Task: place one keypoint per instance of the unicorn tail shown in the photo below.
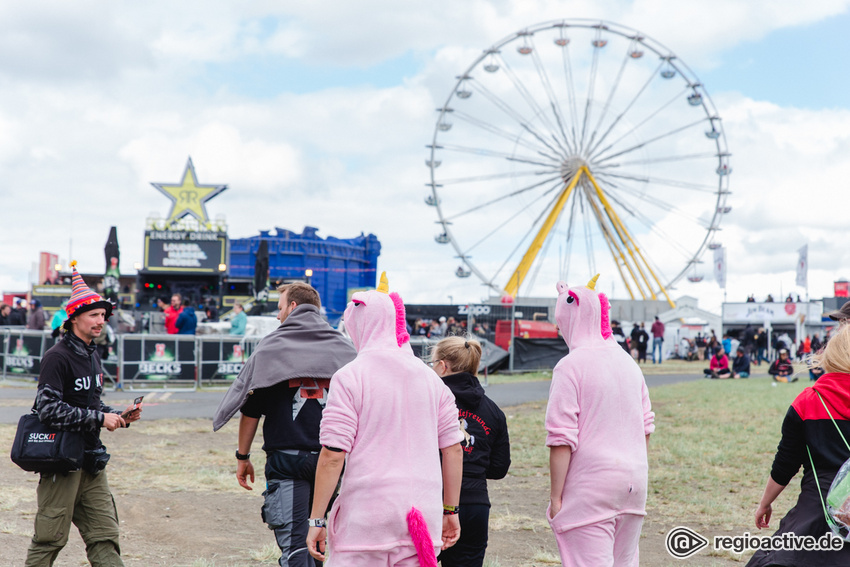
(421, 538)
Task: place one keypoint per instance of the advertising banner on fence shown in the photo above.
(148, 357)
(23, 355)
(222, 358)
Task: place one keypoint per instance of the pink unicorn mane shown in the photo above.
(606, 319)
(401, 334)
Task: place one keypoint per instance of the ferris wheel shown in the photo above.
(574, 147)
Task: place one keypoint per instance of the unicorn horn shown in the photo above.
(384, 285)
(592, 283)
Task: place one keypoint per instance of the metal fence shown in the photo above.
(138, 361)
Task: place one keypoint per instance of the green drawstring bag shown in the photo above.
(838, 501)
(836, 508)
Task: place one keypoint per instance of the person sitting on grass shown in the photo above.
(781, 369)
(718, 366)
(741, 365)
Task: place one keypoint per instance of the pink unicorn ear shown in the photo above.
(562, 287)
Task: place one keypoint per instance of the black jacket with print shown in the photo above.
(65, 399)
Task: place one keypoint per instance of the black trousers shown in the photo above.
(470, 548)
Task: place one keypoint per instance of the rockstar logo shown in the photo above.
(190, 197)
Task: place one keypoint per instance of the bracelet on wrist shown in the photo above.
(241, 457)
(450, 510)
(317, 523)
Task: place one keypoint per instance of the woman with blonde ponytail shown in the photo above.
(486, 446)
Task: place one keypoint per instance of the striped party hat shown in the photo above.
(83, 298)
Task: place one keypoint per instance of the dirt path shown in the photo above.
(179, 505)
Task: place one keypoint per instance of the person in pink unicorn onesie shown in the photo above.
(598, 422)
(388, 419)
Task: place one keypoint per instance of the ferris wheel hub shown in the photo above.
(571, 166)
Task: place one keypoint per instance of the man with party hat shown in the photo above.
(598, 422)
(70, 385)
(389, 418)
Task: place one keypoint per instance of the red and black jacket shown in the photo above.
(807, 423)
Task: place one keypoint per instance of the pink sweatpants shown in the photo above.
(603, 544)
(399, 557)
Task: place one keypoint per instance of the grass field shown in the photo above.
(709, 457)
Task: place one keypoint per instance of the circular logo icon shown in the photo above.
(683, 542)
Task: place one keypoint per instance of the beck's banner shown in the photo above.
(158, 357)
(185, 251)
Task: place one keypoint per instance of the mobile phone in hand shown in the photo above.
(136, 403)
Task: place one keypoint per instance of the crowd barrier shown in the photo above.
(138, 361)
(187, 362)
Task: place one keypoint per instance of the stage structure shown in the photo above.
(336, 267)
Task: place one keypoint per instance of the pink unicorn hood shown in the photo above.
(582, 315)
(375, 319)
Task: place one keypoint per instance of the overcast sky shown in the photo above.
(318, 113)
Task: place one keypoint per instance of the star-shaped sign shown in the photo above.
(190, 197)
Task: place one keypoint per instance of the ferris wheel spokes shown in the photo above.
(478, 208)
(620, 116)
(599, 158)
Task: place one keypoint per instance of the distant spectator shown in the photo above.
(640, 338)
(435, 332)
(453, 328)
(727, 344)
(718, 366)
(5, 311)
(684, 348)
(781, 369)
(187, 321)
(619, 335)
(816, 344)
(733, 346)
(815, 372)
(751, 299)
(172, 312)
(444, 326)
(58, 319)
(769, 299)
(420, 328)
(18, 316)
(35, 321)
(761, 346)
(700, 343)
(741, 364)
(657, 331)
(239, 321)
(211, 312)
(789, 299)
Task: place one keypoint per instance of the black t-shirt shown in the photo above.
(291, 420)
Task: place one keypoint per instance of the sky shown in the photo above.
(319, 114)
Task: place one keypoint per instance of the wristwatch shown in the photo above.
(242, 457)
(317, 523)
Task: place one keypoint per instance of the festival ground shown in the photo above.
(179, 504)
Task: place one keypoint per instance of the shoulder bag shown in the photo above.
(44, 449)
